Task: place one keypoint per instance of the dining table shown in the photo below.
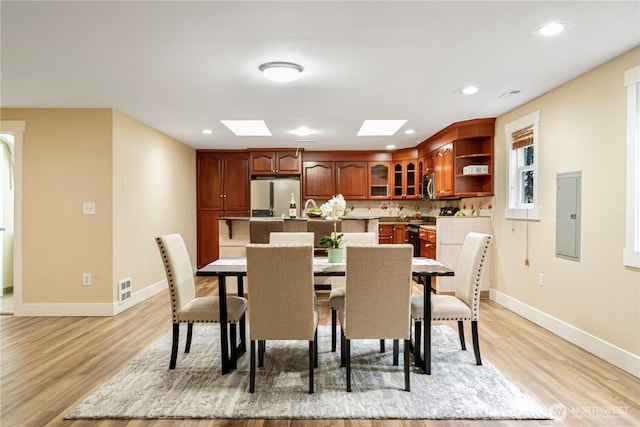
(423, 269)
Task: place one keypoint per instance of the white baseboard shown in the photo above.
(615, 355)
(90, 309)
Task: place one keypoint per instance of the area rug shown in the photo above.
(456, 389)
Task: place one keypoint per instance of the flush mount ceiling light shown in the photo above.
(380, 127)
(207, 131)
(409, 131)
(467, 90)
(281, 72)
(390, 147)
(550, 29)
(247, 127)
(303, 131)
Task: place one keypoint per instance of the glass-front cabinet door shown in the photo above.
(379, 180)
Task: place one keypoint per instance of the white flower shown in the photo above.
(334, 208)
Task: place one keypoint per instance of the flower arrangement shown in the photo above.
(334, 208)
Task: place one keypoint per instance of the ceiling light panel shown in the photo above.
(247, 127)
(380, 127)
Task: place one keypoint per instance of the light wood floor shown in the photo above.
(51, 364)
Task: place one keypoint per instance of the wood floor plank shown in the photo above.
(48, 365)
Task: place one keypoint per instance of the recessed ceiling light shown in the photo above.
(247, 127)
(550, 29)
(390, 147)
(409, 131)
(281, 72)
(469, 90)
(207, 131)
(303, 131)
(380, 127)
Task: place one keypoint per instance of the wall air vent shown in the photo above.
(124, 289)
(509, 93)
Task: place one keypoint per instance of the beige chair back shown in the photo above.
(353, 239)
(179, 271)
(302, 237)
(378, 294)
(469, 270)
(281, 303)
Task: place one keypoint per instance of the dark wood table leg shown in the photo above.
(224, 339)
(426, 325)
(243, 321)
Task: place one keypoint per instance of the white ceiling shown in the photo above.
(181, 66)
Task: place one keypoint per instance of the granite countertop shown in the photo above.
(304, 218)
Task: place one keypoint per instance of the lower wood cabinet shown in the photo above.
(392, 234)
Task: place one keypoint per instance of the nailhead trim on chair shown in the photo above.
(174, 309)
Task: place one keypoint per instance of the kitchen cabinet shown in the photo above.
(392, 234)
(222, 190)
(351, 180)
(453, 149)
(318, 180)
(406, 180)
(428, 239)
(443, 168)
(379, 180)
(275, 163)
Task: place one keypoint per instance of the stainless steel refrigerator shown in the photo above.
(271, 196)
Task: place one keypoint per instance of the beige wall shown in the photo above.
(582, 128)
(154, 193)
(76, 155)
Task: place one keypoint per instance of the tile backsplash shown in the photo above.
(483, 206)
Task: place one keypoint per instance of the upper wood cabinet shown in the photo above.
(318, 180)
(406, 180)
(351, 180)
(379, 179)
(443, 168)
(462, 144)
(275, 163)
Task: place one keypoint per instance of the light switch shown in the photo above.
(88, 208)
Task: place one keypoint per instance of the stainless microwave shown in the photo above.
(429, 186)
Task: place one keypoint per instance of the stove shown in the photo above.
(448, 211)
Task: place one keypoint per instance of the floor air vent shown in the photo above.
(124, 289)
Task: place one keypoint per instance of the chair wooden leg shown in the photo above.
(418, 337)
(347, 344)
(334, 323)
(476, 343)
(187, 346)
(311, 364)
(381, 346)
(243, 333)
(343, 356)
(396, 352)
(234, 345)
(252, 367)
(261, 348)
(174, 346)
(461, 333)
(407, 381)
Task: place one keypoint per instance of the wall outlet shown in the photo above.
(540, 279)
(86, 279)
(88, 208)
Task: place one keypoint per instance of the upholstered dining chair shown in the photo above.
(286, 237)
(465, 304)
(282, 300)
(378, 299)
(260, 229)
(336, 296)
(185, 306)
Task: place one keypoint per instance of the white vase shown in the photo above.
(336, 255)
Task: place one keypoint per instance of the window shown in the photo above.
(631, 253)
(522, 179)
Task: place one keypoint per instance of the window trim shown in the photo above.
(631, 252)
(514, 210)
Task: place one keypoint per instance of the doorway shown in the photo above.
(11, 143)
(6, 222)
